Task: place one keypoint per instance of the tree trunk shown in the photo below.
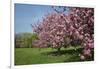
(58, 50)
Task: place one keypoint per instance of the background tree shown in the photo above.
(24, 40)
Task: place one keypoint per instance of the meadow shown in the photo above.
(26, 56)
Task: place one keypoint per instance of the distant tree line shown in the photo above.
(24, 40)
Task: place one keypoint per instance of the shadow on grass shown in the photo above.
(71, 55)
(63, 52)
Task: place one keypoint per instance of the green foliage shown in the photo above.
(25, 40)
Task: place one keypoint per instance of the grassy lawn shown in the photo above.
(27, 56)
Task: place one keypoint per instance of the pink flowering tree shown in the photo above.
(60, 29)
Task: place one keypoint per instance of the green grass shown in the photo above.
(25, 56)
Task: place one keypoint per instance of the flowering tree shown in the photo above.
(60, 29)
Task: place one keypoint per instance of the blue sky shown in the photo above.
(26, 14)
